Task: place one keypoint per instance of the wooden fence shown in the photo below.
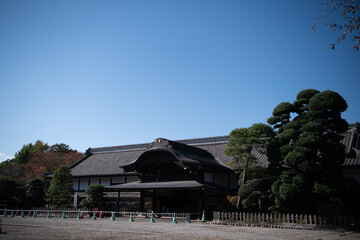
(306, 221)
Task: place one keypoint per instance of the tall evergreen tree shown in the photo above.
(60, 191)
(307, 153)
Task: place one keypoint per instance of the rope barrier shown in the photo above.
(80, 214)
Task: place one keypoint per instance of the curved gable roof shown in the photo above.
(185, 155)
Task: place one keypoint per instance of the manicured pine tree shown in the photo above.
(95, 197)
(307, 153)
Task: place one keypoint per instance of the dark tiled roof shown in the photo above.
(352, 162)
(106, 160)
(351, 141)
(104, 163)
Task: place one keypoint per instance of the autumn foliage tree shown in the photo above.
(42, 162)
(33, 160)
(28, 150)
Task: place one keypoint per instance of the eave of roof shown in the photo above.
(138, 186)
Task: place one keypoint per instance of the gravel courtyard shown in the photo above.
(57, 228)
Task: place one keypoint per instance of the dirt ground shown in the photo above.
(70, 228)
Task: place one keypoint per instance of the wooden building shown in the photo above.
(166, 175)
(163, 175)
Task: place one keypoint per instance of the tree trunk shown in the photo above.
(242, 182)
(259, 204)
(244, 174)
(238, 202)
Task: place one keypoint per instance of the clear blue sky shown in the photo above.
(103, 73)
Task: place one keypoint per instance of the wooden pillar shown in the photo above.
(203, 199)
(142, 206)
(153, 207)
(118, 200)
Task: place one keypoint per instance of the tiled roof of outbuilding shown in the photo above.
(351, 141)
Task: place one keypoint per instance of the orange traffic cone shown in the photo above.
(17, 212)
(0, 227)
(29, 214)
(101, 216)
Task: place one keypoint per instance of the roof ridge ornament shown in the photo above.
(160, 142)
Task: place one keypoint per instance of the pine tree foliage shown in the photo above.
(60, 191)
(35, 193)
(95, 197)
(255, 192)
(307, 154)
(241, 144)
